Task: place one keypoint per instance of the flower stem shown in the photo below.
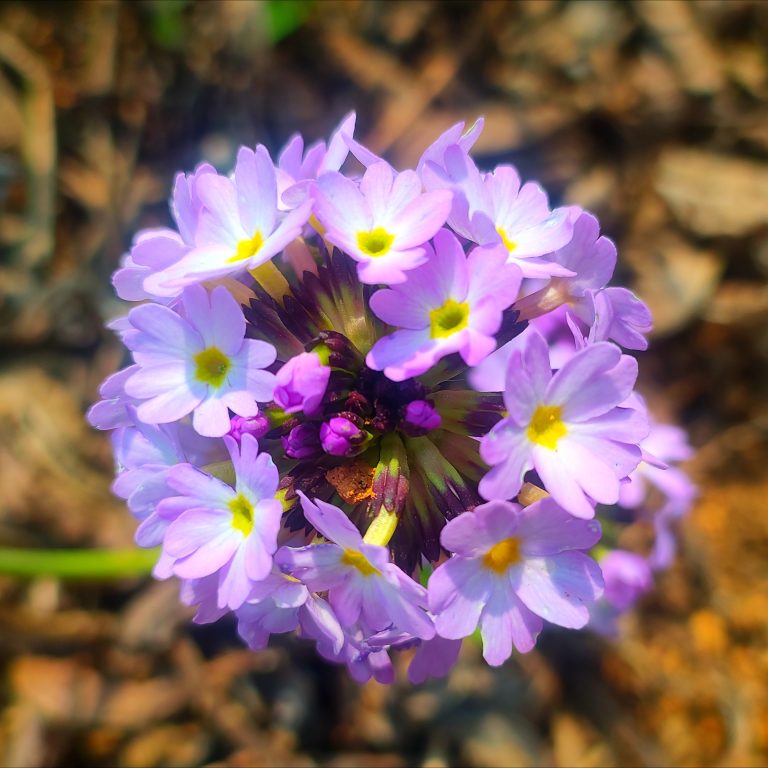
(78, 564)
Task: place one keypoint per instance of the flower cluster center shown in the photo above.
(242, 514)
(547, 427)
(502, 555)
(376, 242)
(211, 366)
(451, 318)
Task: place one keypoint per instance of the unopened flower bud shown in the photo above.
(303, 442)
(301, 384)
(258, 426)
(342, 437)
(419, 418)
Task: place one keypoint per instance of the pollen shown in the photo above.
(448, 319)
(375, 243)
(353, 481)
(212, 366)
(359, 561)
(503, 555)
(547, 427)
(247, 248)
(242, 514)
(510, 245)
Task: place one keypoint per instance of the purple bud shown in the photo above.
(302, 442)
(258, 426)
(301, 384)
(341, 437)
(419, 418)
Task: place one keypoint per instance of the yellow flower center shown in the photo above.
(357, 560)
(448, 319)
(247, 248)
(212, 366)
(376, 242)
(242, 514)
(510, 245)
(503, 555)
(547, 426)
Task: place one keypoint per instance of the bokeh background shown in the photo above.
(652, 114)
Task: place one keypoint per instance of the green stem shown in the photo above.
(80, 564)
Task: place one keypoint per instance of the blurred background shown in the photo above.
(651, 114)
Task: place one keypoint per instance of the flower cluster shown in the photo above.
(380, 408)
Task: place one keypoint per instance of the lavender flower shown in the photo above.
(278, 604)
(512, 568)
(493, 209)
(383, 224)
(239, 226)
(215, 528)
(568, 426)
(452, 304)
(199, 364)
(361, 582)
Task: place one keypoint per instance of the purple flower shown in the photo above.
(627, 578)
(112, 411)
(384, 223)
(435, 152)
(215, 528)
(385, 296)
(295, 168)
(300, 384)
(493, 209)
(279, 603)
(568, 426)
(200, 363)
(154, 250)
(513, 567)
(239, 225)
(341, 437)
(433, 658)
(144, 454)
(591, 259)
(362, 584)
(665, 443)
(621, 317)
(454, 303)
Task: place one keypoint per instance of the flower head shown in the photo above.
(331, 374)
